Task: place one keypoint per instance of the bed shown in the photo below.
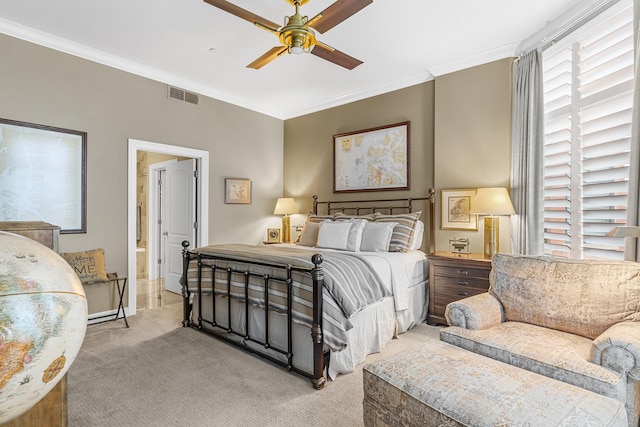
(355, 279)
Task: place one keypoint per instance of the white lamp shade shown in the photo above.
(285, 206)
(492, 201)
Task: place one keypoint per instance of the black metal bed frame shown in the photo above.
(284, 276)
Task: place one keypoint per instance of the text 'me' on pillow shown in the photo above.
(88, 265)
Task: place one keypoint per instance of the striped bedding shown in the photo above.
(350, 284)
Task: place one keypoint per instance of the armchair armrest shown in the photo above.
(618, 349)
(477, 312)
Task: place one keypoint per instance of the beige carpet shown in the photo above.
(157, 373)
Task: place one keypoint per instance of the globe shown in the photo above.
(43, 320)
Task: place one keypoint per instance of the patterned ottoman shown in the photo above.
(442, 385)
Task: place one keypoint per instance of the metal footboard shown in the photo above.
(283, 275)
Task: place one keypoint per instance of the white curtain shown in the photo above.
(632, 246)
(527, 155)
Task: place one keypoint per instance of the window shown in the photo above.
(588, 95)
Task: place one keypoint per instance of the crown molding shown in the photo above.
(29, 34)
(359, 95)
(505, 51)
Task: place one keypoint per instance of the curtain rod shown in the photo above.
(570, 25)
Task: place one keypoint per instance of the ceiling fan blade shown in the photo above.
(272, 54)
(330, 54)
(336, 13)
(241, 13)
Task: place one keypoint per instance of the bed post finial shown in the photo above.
(315, 204)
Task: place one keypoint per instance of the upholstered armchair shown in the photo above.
(571, 320)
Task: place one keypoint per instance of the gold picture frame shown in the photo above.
(273, 235)
(455, 210)
(376, 159)
(237, 191)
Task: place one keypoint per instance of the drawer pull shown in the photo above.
(463, 293)
(463, 272)
(463, 283)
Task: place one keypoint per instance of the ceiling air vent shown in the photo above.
(183, 95)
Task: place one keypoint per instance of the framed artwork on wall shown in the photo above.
(237, 191)
(455, 210)
(373, 159)
(43, 175)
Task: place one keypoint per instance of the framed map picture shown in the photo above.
(456, 210)
(372, 159)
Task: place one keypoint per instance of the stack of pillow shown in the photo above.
(366, 233)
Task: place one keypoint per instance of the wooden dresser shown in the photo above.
(453, 277)
(51, 411)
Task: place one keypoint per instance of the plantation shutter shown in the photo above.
(588, 84)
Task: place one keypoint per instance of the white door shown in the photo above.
(180, 220)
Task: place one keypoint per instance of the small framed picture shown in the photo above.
(237, 190)
(456, 210)
(273, 235)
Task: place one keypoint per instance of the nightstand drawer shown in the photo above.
(456, 292)
(463, 282)
(459, 271)
(452, 278)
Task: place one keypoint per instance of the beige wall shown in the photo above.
(460, 138)
(43, 86)
(308, 144)
(473, 139)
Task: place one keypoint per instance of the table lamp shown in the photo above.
(492, 202)
(285, 207)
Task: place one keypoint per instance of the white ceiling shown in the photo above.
(195, 46)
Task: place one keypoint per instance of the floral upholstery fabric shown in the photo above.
(575, 321)
(576, 296)
(442, 385)
(486, 312)
(552, 353)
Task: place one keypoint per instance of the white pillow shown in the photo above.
(309, 235)
(333, 235)
(376, 236)
(354, 240)
(418, 235)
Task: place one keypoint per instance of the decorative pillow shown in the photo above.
(342, 216)
(318, 218)
(354, 240)
(418, 235)
(334, 235)
(309, 235)
(403, 232)
(376, 236)
(88, 265)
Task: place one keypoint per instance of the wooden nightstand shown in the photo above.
(453, 277)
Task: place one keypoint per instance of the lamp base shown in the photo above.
(286, 229)
(491, 236)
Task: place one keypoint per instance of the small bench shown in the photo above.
(440, 384)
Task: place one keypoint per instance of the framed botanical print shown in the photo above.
(237, 191)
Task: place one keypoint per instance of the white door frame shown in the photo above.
(202, 158)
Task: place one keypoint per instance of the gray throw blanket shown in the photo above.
(350, 284)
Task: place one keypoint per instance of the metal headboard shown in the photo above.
(385, 206)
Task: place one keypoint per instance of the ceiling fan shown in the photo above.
(298, 35)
